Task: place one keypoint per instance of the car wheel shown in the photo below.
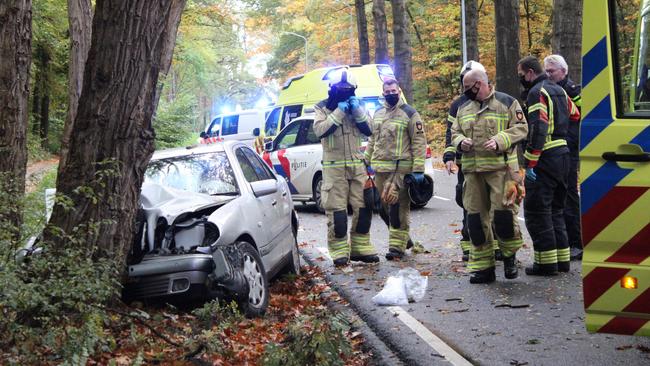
(414, 206)
(258, 284)
(316, 189)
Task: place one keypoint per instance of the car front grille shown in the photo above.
(147, 288)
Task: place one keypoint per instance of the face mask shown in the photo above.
(338, 95)
(525, 83)
(470, 93)
(391, 99)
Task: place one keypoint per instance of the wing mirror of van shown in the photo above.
(256, 131)
(203, 135)
(268, 146)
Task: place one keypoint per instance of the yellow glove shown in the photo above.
(390, 194)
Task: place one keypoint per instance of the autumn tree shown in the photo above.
(362, 31)
(567, 34)
(507, 45)
(15, 61)
(471, 29)
(381, 32)
(113, 139)
(402, 45)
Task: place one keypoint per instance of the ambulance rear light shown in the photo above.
(629, 282)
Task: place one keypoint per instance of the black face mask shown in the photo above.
(525, 83)
(391, 99)
(337, 95)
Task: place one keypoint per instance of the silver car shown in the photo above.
(214, 221)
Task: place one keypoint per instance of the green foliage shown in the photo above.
(174, 122)
(311, 339)
(35, 151)
(217, 313)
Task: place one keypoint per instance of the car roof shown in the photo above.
(195, 149)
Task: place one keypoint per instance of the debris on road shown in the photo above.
(404, 287)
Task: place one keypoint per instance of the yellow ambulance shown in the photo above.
(300, 93)
(615, 166)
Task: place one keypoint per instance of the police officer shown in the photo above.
(397, 147)
(452, 157)
(340, 122)
(557, 70)
(486, 128)
(547, 166)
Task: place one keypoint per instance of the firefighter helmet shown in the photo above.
(343, 79)
(470, 65)
(419, 193)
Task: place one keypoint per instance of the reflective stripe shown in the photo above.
(391, 163)
(465, 245)
(451, 119)
(506, 139)
(338, 249)
(397, 239)
(546, 257)
(450, 149)
(467, 117)
(510, 247)
(537, 107)
(530, 156)
(577, 100)
(360, 244)
(481, 258)
(553, 143)
(563, 255)
(342, 163)
(333, 119)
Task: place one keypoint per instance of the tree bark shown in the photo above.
(362, 30)
(567, 34)
(507, 45)
(15, 61)
(113, 139)
(44, 128)
(471, 23)
(381, 32)
(80, 18)
(402, 46)
(42, 83)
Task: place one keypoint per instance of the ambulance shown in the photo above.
(615, 166)
(302, 92)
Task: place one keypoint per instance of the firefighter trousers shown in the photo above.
(572, 207)
(465, 243)
(483, 200)
(343, 186)
(544, 211)
(398, 213)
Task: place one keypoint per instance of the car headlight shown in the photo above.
(211, 234)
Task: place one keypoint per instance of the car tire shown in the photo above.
(258, 283)
(316, 193)
(294, 265)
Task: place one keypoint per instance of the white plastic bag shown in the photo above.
(407, 285)
(393, 293)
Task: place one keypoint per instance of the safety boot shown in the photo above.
(542, 269)
(372, 258)
(409, 244)
(465, 255)
(498, 255)
(394, 254)
(576, 254)
(510, 270)
(483, 276)
(564, 266)
(340, 262)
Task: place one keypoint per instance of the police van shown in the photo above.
(302, 92)
(297, 154)
(238, 125)
(615, 166)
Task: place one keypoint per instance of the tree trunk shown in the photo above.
(80, 18)
(471, 24)
(362, 30)
(507, 45)
(403, 52)
(567, 34)
(113, 138)
(44, 129)
(381, 32)
(42, 83)
(15, 60)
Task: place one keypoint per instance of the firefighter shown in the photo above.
(486, 129)
(550, 111)
(557, 70)
(396, 148)
(341, 122)
(452, 157)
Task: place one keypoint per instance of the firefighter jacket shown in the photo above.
(573, 91)
(398, 142)
(498, 117)
(341, 135)
(550, 110)
(451, 152)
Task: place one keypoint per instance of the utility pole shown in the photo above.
(306, 52)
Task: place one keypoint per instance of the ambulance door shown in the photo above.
(615, 166)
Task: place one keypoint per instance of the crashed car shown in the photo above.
(214, 221)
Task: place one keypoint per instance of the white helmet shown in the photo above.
(342, 76)
(470, 65)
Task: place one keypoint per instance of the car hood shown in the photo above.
(169, 203)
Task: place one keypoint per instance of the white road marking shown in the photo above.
(431, 339)
(442, 198)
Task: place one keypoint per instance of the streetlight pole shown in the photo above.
(464, 30)
(306, 54)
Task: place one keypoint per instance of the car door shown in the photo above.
(305, 157)
(281, 156)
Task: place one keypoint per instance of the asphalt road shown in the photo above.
(526, 321)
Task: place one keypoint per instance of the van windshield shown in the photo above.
(271, 125)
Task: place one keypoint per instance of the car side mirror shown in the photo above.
(264, 187)
(203, 135)
(268, 146)
(256, 132)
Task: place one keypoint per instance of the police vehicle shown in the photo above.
(297, 154)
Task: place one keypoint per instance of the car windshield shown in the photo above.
(209, 173)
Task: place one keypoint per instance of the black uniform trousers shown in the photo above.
(544, 209)
(572, 208)
(459, 200)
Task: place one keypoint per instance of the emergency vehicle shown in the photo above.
(302, 92)
(615, 166)
(297, 154)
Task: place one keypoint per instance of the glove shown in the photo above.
(530, 174)
(370, 170)
(354, 103)
(419, 177)
(344, 106)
